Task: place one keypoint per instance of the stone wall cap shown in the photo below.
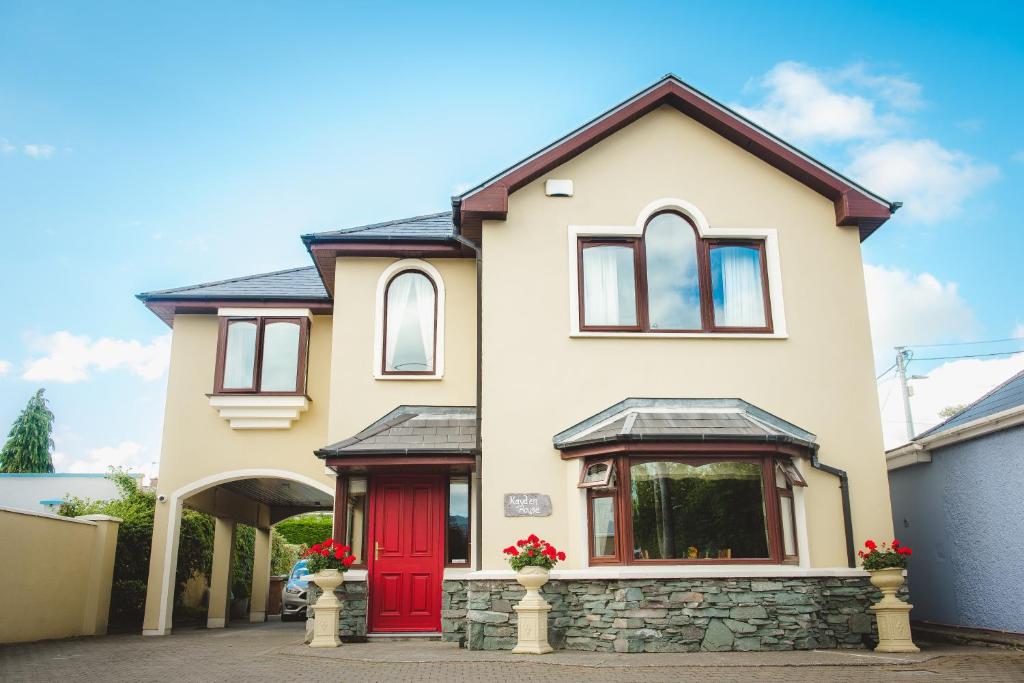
(101, 518)
(679, 572)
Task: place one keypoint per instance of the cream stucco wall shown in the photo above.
(357, 397)
(538, 380)
(43, 596)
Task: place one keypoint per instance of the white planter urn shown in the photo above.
(327, 608)
(893, 614)
(533, 613)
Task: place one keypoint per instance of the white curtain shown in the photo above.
(410, 334)
(742, 300)
(601, 286)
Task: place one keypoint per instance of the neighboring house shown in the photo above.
(648, 343)
(44, 492)
(956, 501)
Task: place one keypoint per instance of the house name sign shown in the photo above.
(527, 505)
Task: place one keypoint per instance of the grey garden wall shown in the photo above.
(963, 515)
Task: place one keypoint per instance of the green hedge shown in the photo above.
(306, 530)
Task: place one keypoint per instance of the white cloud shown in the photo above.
(898, 91)
(70, 358)
(1018, 331)
(800, 105)
(913, 309)
(933, 182)
(39, 151)
(953, 383)
(128, 455)
(5, 367)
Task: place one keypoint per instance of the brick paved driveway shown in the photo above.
(273, 652)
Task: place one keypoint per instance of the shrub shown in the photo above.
(308, 529)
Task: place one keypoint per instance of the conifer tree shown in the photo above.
(29, 442)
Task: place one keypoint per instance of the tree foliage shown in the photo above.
(306, 530)
(135, 508)
(30, 442)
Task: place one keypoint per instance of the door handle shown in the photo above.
(376, 550)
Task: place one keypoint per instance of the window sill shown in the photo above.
(391, 378)
(678, 572)
(682, 335)
(260, 411)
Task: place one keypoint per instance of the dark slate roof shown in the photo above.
(431, 227)
(1007, 395)
(296, 283)
(411, 430)
(683, 419)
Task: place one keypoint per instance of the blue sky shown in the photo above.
(145, 147)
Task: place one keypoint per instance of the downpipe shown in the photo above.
(844, 491)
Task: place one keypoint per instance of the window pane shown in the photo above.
(683, 511)
(280, 356)
(410, 324)
(609, 286)
(240, 355)
(736, 286)
(355, 517)
(458, 520)
(597, 472)
(603, 514)
(788, 532)
(673, 284)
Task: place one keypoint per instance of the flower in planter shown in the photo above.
(533, 551)
(885, 557)
(328, 554)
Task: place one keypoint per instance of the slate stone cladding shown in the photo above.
(352, 618)
(670, 615)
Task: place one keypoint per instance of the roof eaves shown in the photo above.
(245, 278)
(940, 427)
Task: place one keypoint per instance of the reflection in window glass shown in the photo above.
(609, 286)
(603, 516)
(280, 356)
(673, 283)
(458, 520)
(240, 355)
(788, 532)
(681, 511)
(355, 517)
(736, 286)
(411, 305)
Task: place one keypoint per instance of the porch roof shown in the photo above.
(683, 419)
(412, 430)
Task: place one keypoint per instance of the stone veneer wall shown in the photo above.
(352, 619)
(670, 615)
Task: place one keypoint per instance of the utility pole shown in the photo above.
(902, 358)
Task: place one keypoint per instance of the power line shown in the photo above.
(886, 372)
(970, 343)
(971, 355)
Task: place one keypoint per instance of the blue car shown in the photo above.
(293, 598)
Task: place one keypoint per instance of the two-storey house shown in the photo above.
(647, 343)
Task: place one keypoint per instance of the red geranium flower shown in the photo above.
(895, 543)
(349, 560)
(561, 556)
(316, 548)
(511, 550)
(329, 542)
(871, 545)
(521, 542)
(532, 538)
(338, 554)
(346, 549)
(530, 553)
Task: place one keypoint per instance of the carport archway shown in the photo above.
(256, 497)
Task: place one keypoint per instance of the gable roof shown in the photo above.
(295, 285)
(1008, 395)
(683, 419)
(854, 204)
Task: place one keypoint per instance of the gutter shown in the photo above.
(844, 491)
(478, 468)
(923, 445)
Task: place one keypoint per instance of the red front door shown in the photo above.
(406, 558)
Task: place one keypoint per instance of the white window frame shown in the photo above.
(378, 333)
(771, 249)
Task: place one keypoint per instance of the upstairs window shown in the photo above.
(671, 280)
(262, 355)
(410, 324)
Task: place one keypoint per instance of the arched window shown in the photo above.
(672, 280)
(410, 324)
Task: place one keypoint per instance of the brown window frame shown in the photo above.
(604, 483)
(469, 532)
(257, 375)
(624, 518)
(384, 332)
(640, 284)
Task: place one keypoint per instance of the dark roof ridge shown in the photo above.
(994, 390)
(371, 226)
(178, 290)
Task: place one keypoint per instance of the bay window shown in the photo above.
(670, 279)
(679, 509)
(262, 355)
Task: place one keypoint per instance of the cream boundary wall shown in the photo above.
(538, 380)
(358, 398)
(64, 598)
